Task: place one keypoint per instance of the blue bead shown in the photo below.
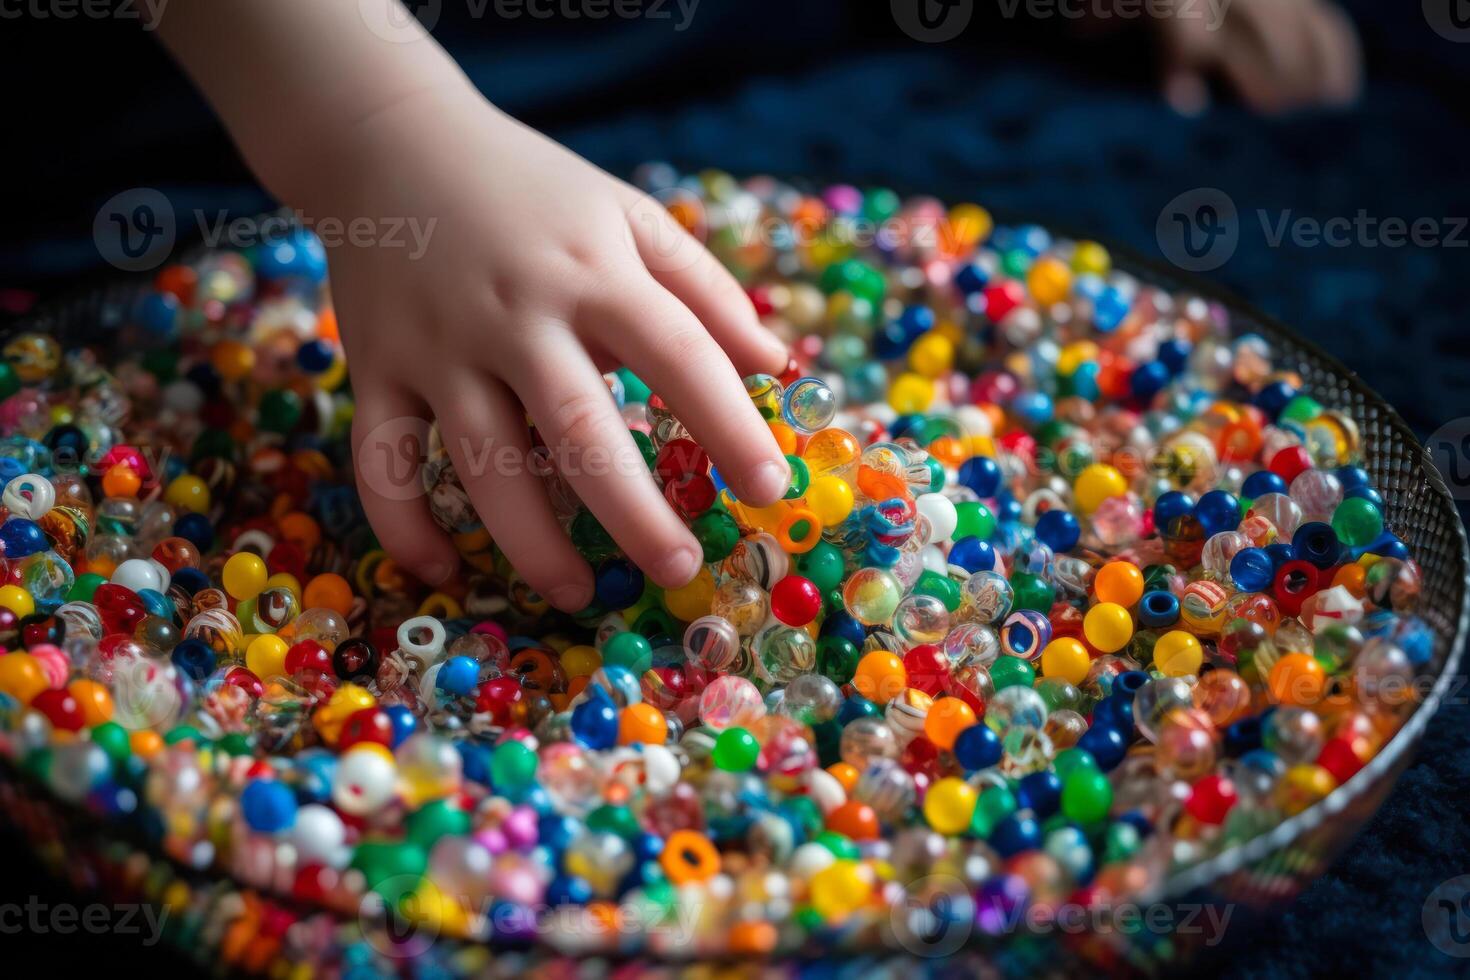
(268, 806)
(1174, 354)
(1272, 398)
(158, 313)
(1109, 309)
(1317, 543)
(1007, 509)
(1115, 711)
(22, 537)
(916, 320)
(1040, 792)
(1171, 506)
(315, 356)
(1387, 545)
(619, 584)
(1148, 380)
(971, 278)
(1138, 821)
(191, 580)
(475, 761)
(978, 747)
(973, 555)
(459, 676)
(196, 529)
(1158, 609)
(841, 623)
(1058, 530)
(298, 254)
(981, 474)
(1280, 553)
(1352, 476)
(194, 658)
(903, 424)
(891, 343)
(1017, 833)
(1243, 736)
(403, 721)
(1262, 482)
(1217, 511)
(556, 831)
(567, 889)
(10, 468)
(1252, 569)
(1106, 744)
(595, 723)
(1365, 493)
(1033, 406)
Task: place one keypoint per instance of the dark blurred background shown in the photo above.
(1023, 115)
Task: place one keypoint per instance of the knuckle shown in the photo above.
(578, 416)
(687, 346)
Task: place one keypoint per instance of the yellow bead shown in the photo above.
(245, 575)
(949, 805)
(839, 889)
(932, 355)
(1302, 786)
(22, 676)
(910, 393)
(17, 600)
(968, 226)
(1097, 483)
(265, 657)
(1074, 355)
(1178, 654)
(1049, 281)
(1108, 627)
(1066, 658)
(1090, 258)
(346, 701)
(830, 498)
(689, 602)
(189, 493)
(285, 580)
(581, 661)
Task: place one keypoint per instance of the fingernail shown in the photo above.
(678, 569)
(767, 482)
(437, 573)
(572, 598)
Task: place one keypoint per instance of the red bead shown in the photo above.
(245, 680)
(680, 458)
(691, 495)
(1339, 758)
(928, 668)
(1295, 582)
(920, 756)
(1002, 297)
(368, 725)
(1290, 463)
(119, 606)
(1211, 798)
(496, 698)
(61, 709)
(308, 655)
(796, 601)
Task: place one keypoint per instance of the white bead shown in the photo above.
(825, 790)
(808, 859)
(319, 835)
(29, 495)
(660, 768)
(364, 782)
(941, 514)
(139, 574)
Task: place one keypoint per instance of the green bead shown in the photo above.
(212, 443)
(1032, 592)
(235, 744)
(512, 766)
(717, 533)
(804, 814)
(842, 847)
(591, 539)
(829, 741)
(85, 587)
(114, 740)
(614, 820)
(1086, 795)
(434, 820)
(628, 650)
(1015, 263)
(163, 364)
(824, 565)
(880, 204)
(837, 658)
(941, 587)
(1357, 522)
(645, 446)
(974, 521)
(392, 869)
(1071, 760)
(1008, 671)
(854, 276)
(993, 806)
(279, 410)
(801, 478)
(184, 733)
(1156, 577)
(735, 750)
(655, 623)
(9, 380)
(1121, 842)
(1301, 409)
(634, 390)
(809, 919)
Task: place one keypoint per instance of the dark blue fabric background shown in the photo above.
(1016, 116)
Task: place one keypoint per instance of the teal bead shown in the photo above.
(823, 565)
(612, 819)
(591, 539)
(512, 766)
(993, 806)
(630, 650)
(441, 818)
(634, 390)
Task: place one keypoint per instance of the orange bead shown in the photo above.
(301, 530)
(753, 938)
(326, 325)
(946, 719)
(845, 774)
(785, 437)
(1297, 679)
(178, 281)
(880, 676)
(94, 700)
(121, 480)
(1352, 577)
(145, 742)
(232, 359)
(689, 857)
(949, 451)
(854, 819)
(328, 591)
(642, 723)
(1120, 582)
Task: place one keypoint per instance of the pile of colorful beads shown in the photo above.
(1072, 588)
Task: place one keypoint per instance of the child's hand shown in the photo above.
(541, 273)
(1277, 54)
